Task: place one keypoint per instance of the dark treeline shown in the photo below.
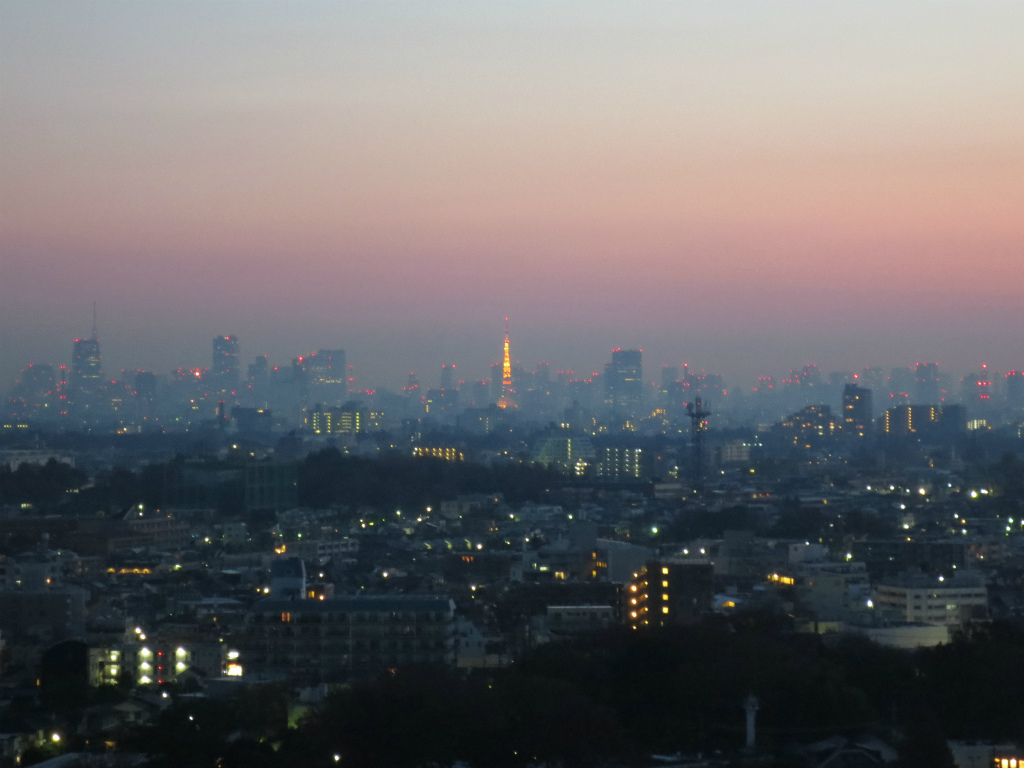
(39, 485)
(395, 481)
(620, 696)
(325, 478)
(57, 486)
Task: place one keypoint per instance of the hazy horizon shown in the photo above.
(743, 187)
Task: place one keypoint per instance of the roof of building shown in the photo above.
(370, 603)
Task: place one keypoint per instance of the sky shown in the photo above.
(745, 187)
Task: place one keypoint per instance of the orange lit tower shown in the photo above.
(507, 399)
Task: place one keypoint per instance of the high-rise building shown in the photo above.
(507, 398)
(977, 388)
(926, 383)
(620, 463)
(447, 376)
(856, 410)
(259, 370)
(542, 376)
(327, 375)
(225, 368)
(910, 419)
(809, 423)
(623, 382)
(901, 382)
(1015, 389)
(36, 392)
(670, 593)
(87, 366)
(88, 369)
(327, 367)
(346, 420)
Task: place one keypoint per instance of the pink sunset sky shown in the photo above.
(746, 187)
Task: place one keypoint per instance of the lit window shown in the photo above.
(664, 585)
(664, 571)
(664, 597)
(664, 609)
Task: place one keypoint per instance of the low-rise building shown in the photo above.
(343, 637)
(934, 600)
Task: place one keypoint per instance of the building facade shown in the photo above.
(623, 381)
(344, 637)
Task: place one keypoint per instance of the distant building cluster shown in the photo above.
(317, 394)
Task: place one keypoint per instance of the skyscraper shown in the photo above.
(623, 382)
(259, 371)
(507, 399)
(926, 383)
(447, 376)
(327, 374)
(225, 368)
(328, 367)
(88, 369)
(1015, 390)
(856, 410)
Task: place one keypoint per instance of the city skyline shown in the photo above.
(726, 185)
(86, 359)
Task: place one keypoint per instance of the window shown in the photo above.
(286, 618)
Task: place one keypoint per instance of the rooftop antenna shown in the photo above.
(95, 333)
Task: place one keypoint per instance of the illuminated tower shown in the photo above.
(507, 398)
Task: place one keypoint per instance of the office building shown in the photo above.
(225, 367)
(259, 371)
(623, 381)
(87, 366)
(926, 384)
(447, 376)
(327, 374)
(934, 600)
(1015, 390)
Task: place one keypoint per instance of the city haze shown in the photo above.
(743, 188)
